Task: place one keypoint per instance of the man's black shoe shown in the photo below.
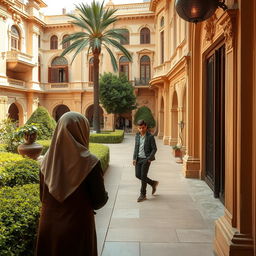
(141, 198)
(154, 187)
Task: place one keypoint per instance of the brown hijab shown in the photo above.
(68, 160)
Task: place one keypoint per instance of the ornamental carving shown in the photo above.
(228, 28)
(16, 18)
(210, 27)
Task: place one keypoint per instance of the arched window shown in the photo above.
(91, 70)
(15, 38)
(54, 42)
(144, 69)
(58, 72)
(126, 34)
(67, 44)
(124, 66)
(145, 36)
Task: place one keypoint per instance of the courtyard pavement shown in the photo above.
(177, 221)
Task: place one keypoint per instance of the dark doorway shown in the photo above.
(89, 116)
(215, 122)
(59, 111)
(13, 113)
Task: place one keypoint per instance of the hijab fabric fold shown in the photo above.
(68, 160)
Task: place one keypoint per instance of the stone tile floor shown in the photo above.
(177, 221)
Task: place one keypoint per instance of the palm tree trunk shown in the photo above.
(96, 117)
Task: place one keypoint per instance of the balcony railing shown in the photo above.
(20, 57)
(16, 83)
(141, 81)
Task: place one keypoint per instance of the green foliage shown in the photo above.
(8, 135)
(176, 147)
(102, 152)
(45, 123)
(116, 94)
(144, 113)
(3, 148)
(7, 157)
(21, 172)
(107, 137)
(46, 144)
(19, 216)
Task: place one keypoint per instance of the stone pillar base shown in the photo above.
(166, 140)
(173, 142)
(229, 242)
(191, 167)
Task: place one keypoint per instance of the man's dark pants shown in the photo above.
(141, 172)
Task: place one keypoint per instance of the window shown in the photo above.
(15, 38)
(39, 69)
(54, 42)
(91, 70)
(144, 69)
(145, 36)
(58, 72)
(162, 46)
(126, 34)
(162, 22)
(67, 44)
(124, 66)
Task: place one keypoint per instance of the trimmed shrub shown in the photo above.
(19, 173)
(144, 113)
(102, 152)
(7, 157)
(107, 137)
(45, 143)
(18, 219)
(45, 123)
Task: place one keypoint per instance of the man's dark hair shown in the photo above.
(141, 122)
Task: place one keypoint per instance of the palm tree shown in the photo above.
(94, 22)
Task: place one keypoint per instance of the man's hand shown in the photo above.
(134, 162)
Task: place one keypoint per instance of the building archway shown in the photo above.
(174, 119)
(59, 110)
(89, 115)
(161, 120)
(13, 113)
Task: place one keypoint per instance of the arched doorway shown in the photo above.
(174, 118)
(13, 113)
(161, 120)
(89, 115)
(124, 121)
(59, 111)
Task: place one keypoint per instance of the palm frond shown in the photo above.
(73, 46)
(80, 47)
(114, 34)
(112, 57)
(75, 36)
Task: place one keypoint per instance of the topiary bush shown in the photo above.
(144, 113)
(22, 172)
(45, 123)
(102, 152)
(107, 137)
(19, 216)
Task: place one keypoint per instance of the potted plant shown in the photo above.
(177, 151)
(29, 148)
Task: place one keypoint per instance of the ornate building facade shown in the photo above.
(196, 79)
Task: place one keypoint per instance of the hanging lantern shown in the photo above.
(197, 10)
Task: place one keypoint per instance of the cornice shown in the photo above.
(136, 16)
(54, 26)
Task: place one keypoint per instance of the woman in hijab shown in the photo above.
(71, 188)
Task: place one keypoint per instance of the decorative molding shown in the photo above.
(210, 27)
(16, 18)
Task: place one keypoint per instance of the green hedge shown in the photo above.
(102, 152)
(107, 137)
(144, 113)
(22, 172)
(7, 157)
(2, 147)
(19, 216)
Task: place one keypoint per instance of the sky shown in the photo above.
(56, 6)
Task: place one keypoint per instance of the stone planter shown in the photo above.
(30, 148)
(177, 152)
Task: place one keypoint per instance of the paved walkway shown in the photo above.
(177, 221)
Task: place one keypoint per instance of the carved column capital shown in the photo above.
(210, 28)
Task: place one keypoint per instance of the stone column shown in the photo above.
(233, 231)
(3, 107)
(191, 160)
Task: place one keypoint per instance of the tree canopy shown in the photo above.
(116, 94)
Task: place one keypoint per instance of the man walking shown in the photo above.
(144, 153)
